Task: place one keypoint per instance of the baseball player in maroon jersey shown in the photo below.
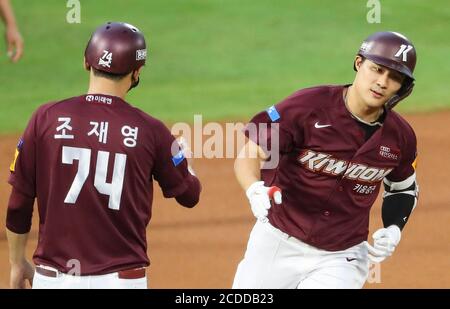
(90, 162)
(337, 144)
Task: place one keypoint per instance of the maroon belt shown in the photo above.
(46, 272)
(135, 273)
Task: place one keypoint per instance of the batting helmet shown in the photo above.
(395, 51)
(116, 48)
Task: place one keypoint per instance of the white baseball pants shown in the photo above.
(65, 281)
(275, 260)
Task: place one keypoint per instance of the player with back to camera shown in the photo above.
(90, 162)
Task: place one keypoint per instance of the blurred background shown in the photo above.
(220, 58)
(227, 60)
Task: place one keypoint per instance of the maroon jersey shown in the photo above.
(90, 161)
(329, 173)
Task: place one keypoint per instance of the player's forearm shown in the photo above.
(396, 209)
(247, 171)
(17, 244)
(247, 166)
(7, 14)
(18, 223)
(399, 200)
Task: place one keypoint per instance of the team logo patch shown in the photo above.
(403, 51)
(366, 46)
(20, 144)
(273, 113)
(178, 158)
(141, 54)
(12, 167)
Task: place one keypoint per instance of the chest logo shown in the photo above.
(319, 126)
(324, 163)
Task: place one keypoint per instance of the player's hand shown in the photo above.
(14, 42)
(385, 242)
(260, 196)
(20, 273)
(187, 153)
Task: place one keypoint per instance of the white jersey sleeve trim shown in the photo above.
(414, 193)
(411, 192)
(401, 185)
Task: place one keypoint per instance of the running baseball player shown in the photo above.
(337, 144)
(90, 161)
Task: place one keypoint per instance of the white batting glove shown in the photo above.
(187, 153)
(385, 242)
(259, 197)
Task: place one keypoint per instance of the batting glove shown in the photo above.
(260, 196)
(385, 242)
(187, 153)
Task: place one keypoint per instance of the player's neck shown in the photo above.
(100, 85)
(359, 108)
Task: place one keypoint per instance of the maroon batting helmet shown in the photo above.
(116, 48)
(395, 51)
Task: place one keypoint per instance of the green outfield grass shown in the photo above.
(225, 59)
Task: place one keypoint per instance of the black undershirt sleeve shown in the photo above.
(397, 207)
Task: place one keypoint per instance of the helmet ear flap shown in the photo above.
(403, 92)
(134, 81)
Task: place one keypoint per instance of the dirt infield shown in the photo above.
(201, 247)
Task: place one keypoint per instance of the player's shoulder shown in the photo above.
(150, 122)
(56, 104)
(320, 90)
(401, 122)
(305, 101)
(44, 109)
(127, 110)
(402, 126)
(312, 97)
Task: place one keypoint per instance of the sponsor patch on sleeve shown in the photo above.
(273, 113)
(414, 164)
(178, 158)
(12, 167)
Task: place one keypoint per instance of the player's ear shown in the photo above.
(358, 62)
(136, 73)
(87, 67)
